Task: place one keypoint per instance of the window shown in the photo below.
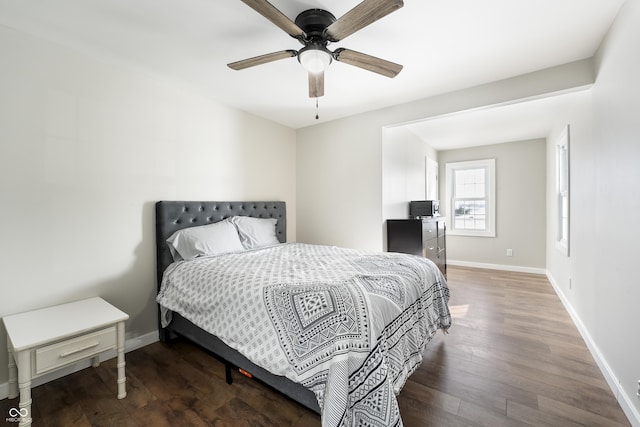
(471, 198)
(562, 192)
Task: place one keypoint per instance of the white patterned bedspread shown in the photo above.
(349, 325)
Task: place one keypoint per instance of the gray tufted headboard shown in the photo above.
(172, 216)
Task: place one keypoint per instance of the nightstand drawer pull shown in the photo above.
(78, 350)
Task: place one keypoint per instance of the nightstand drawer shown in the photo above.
(62, 353)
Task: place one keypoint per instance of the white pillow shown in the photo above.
(211, 239)
(256, 232)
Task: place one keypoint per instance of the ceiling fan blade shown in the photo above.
(365, 13)
(262, 59)
(269, 11)
(367, 62)
(316, 84)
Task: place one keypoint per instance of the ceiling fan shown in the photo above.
(315, 29)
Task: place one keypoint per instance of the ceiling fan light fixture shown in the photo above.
(315, 59)
(317, 28)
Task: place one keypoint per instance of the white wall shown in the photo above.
(403, 170)
(599, 281)
(520, 208)
(339, 181)
(86, 148)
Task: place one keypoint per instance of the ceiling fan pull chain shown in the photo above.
(317, 116)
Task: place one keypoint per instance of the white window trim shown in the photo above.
(490, 164)
(562, 144)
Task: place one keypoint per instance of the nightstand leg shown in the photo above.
(122, 379)
(24, 383)
(13, 376)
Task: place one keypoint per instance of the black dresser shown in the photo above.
(425, 237)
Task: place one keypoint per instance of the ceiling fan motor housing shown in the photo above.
(314, 22)
(315, 56)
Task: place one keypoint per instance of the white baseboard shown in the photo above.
(130, 344)
(625, 401)
(516, 268)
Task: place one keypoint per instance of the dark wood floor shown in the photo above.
(513, 357)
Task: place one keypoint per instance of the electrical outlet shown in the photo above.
(509, 252)
(638, 392)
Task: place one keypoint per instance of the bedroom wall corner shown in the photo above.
(339, 184)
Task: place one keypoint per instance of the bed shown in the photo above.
(335, 329)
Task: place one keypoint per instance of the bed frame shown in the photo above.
(175, 215)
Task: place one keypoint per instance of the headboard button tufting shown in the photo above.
(175, 215)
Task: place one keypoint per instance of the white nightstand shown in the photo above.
(41, 341)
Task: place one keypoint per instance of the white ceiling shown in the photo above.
(518, 121)
(444, 45)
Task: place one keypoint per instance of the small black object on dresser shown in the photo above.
(425, 237)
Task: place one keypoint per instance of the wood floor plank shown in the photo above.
(513, 357)
(537, 417)
(138, 395)
(584, 416)
(480, 416)
(428, 396)
(415, 413)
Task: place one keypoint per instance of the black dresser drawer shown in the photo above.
(424, 237)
